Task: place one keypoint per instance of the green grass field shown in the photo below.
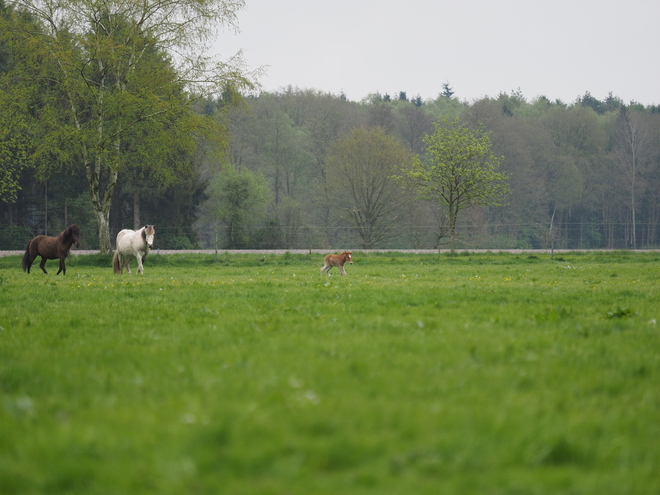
(414, 374)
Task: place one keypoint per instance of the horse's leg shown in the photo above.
(32, 258)
(62, 267)
(127, 260)
(139, 264)
(43, 264)
(29, 257)
(120, 262)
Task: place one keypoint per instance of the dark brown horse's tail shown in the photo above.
(26, 259)
(115, 263)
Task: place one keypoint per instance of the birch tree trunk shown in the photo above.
(632, 152)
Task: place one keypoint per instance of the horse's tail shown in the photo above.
(115, 263)
(26, 259)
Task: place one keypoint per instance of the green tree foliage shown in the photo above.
(359, 183)
(417, 101)
(160, 156)
(23, 89)
(286, 153)
(633, 151)
(286, 137)
(560, 165)
(239, 200)
(524, 144)
(461, 172)
(447, 90)
(412, 123)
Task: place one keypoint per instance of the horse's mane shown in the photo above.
(147, 230)
(68, 233)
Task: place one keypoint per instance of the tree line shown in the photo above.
(104, 127)
(581, 175)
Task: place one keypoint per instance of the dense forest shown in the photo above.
(301, 169)
(582, 175)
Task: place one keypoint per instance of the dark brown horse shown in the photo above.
(50, 248)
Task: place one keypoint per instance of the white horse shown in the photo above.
(133, 244)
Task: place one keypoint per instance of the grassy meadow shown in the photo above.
(414, 374)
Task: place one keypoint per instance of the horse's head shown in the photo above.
(74, 233)
(149, 233)
(349, 257)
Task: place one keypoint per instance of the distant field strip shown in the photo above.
(78, 252)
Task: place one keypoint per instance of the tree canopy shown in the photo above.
(238, 199)
(460, 171)
(359, 169)
(123, 66)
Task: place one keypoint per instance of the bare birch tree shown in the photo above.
(359, 183)
(632, 152)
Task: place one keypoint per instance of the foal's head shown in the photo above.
(348, 256)
(149, 233)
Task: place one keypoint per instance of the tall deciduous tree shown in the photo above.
(632, 149)
(23, 88)
(106, 52)
(359, 170)
(412, 123)
(285, 149)
(461, 171)
(239, 200)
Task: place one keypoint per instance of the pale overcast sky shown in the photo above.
(558, 49)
